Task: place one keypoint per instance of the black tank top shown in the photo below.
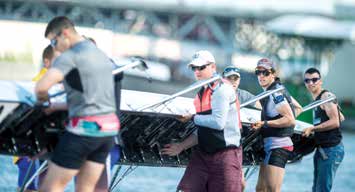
(273, 131)
(328, 138)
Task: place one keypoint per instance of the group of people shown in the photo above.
(216, 162)
(86, 74)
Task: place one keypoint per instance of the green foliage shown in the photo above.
(16, 58)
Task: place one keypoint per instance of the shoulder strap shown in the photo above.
(321, 93)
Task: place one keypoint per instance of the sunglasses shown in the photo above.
(313, 80)
(54, 41)
(199, 68)
(264, 72)
(233, 78)
(231, 69)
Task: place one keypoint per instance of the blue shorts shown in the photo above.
(115, 154)
(23, 165)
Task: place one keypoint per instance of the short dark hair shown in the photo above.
(48, 53)
(312, 70)
(57, 24)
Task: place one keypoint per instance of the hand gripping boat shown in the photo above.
(148, 122)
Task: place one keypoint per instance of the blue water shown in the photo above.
(298, 176)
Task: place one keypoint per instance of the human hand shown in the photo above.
(172, 149)
(307, 132)
(41, 98)
(257, 125)
(185, 118)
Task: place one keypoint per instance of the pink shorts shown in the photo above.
(221, 171)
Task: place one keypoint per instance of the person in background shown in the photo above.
(276, 126)
(114, 156)
(327, 134)
(88, 81)
(24, 163)
(232, 74)
(215, 165)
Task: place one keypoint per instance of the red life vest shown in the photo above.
(203, 99)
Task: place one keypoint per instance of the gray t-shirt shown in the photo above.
(88, 80)
(244, 96)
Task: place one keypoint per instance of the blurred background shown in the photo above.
(296, 34)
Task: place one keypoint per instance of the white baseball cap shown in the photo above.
(231, 70)
(201, 58)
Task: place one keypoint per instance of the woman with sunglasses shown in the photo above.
(327, 134)
(276, 128)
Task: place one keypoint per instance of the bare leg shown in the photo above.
(103, 183)
(274, 177)
(88, 176)
(261, 185)
(57, 178)
(244, 183)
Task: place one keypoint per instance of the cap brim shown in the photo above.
(230, 73)
(264, 66)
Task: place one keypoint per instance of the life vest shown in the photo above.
(328, 138)
(268, 131)
(210, 140)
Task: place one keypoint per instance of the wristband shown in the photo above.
(265, 123)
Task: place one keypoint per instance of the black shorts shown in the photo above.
(277, 157)
(73, 150)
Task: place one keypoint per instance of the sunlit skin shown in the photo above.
(205, 73)
(314, 88)
(234, 80)
(271, 177)
(48, 62)
(265, 81)
(174, 149)
(65, 39)
(62, 43)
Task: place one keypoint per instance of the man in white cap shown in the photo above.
(232, 74)
(216, 163)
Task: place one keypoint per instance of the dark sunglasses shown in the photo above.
(199, 68)
(264, 72)
(233, 77)
(314, 80)
(54, 41)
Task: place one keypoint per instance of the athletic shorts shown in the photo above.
(221, 171)
(277, 157)
(73, 150)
